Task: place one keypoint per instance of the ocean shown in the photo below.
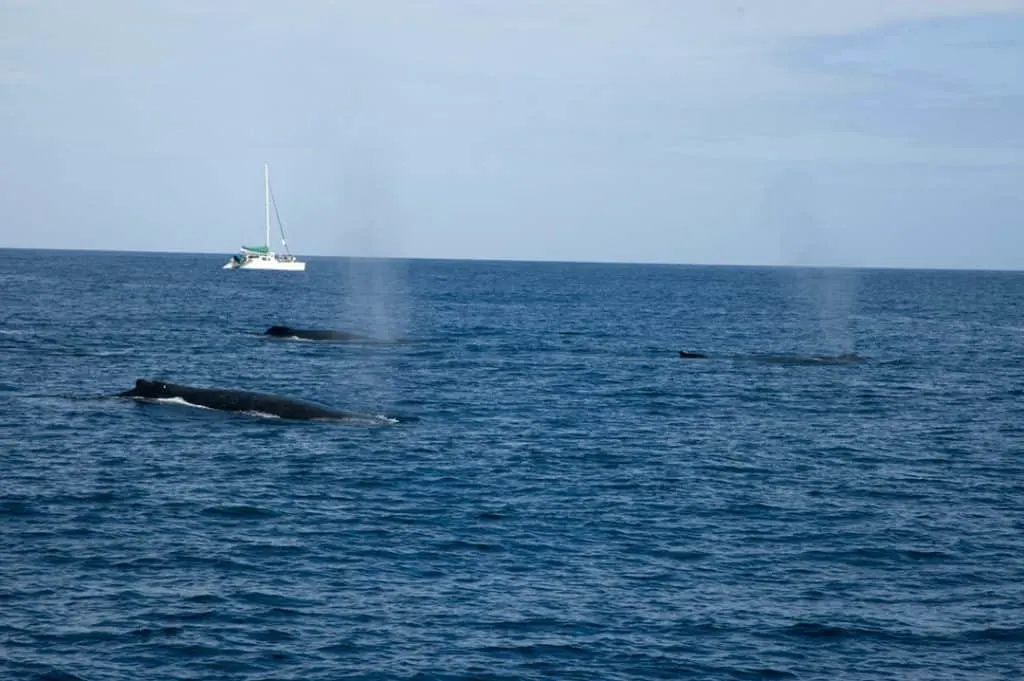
(836, 491)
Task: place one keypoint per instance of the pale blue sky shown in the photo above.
(860, 132)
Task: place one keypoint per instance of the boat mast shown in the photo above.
(266, 201)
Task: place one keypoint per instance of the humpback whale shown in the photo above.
(313, 334)
(844, 358)
(237, 400)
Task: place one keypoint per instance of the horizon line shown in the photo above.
(536, 261)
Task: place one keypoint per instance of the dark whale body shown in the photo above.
(235, 400)
(844, 358)
(312, 334)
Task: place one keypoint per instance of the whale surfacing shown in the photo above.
(313, 334)
(237, 401)
(795, 360)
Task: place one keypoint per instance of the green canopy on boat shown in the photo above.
(256, 249)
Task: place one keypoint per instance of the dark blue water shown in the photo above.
(565, 497)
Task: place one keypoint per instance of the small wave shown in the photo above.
(528, 624)
(686, 556)
(113, 353)
(354, 340)
(96, 497)
(272, 636)
(194, 650)
(815, 630)
(76, 637)
(874, 556)
(139, 563)
(58, 675)
(195, 615)
(280, 611)
(537, 649)
(1015, 634)
(369, 420)
(343, 648)
(919, 554)
(763, 674)
(801, 360)
(74, 398)
(273, 600)
(16, 507)
(645, 392)
(147, 632)
(239, 511)
(460, 545)
(399, 417)
(68, 397)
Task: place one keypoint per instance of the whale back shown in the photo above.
(313, 334)
(236, 400)
(151, 389)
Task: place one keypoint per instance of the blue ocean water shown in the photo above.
(565, 497)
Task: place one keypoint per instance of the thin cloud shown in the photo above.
(14, 76)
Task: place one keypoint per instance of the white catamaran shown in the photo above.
(261, 257)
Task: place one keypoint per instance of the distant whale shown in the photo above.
(313, 334)
(844, 358)
(238, 401)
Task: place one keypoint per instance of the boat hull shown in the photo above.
(266, 264)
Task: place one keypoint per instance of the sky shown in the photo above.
(865, 133)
